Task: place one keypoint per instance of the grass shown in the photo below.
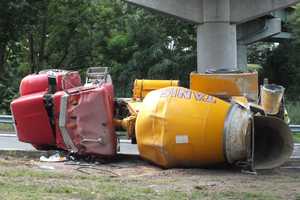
(29, 184)
(23, 183)
(6, 127)
(293, 109)
(297, 138)
(235, 195)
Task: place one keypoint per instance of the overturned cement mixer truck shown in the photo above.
(220, 119)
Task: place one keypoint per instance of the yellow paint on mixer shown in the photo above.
(226, 85)
(181, 127)
(143, 87)
(178, 127)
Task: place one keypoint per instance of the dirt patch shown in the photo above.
(146, 180)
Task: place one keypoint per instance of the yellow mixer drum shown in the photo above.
(180, 127)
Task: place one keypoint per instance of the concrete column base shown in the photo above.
(217, 46)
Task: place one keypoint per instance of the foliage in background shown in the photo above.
(134, 43)
(293, 109)
(281, 62)
(280, 66)
(77, 34)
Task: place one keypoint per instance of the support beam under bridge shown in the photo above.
(217, 25)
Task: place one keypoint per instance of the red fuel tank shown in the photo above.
(39, 82)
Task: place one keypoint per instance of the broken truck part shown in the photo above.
(173, 126)
(71, 117)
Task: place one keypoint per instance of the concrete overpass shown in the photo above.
(224, 27)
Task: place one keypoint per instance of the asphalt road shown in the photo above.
(11, 142)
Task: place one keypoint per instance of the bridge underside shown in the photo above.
(225, 27)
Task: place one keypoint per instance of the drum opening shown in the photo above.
(273, 143)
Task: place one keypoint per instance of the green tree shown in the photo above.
(76, 34)
(281, 62)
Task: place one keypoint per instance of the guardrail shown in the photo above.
(295, 128)
(7, 119)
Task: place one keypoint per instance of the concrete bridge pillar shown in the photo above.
(216, 46)
(217, 22)
(216, 37)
